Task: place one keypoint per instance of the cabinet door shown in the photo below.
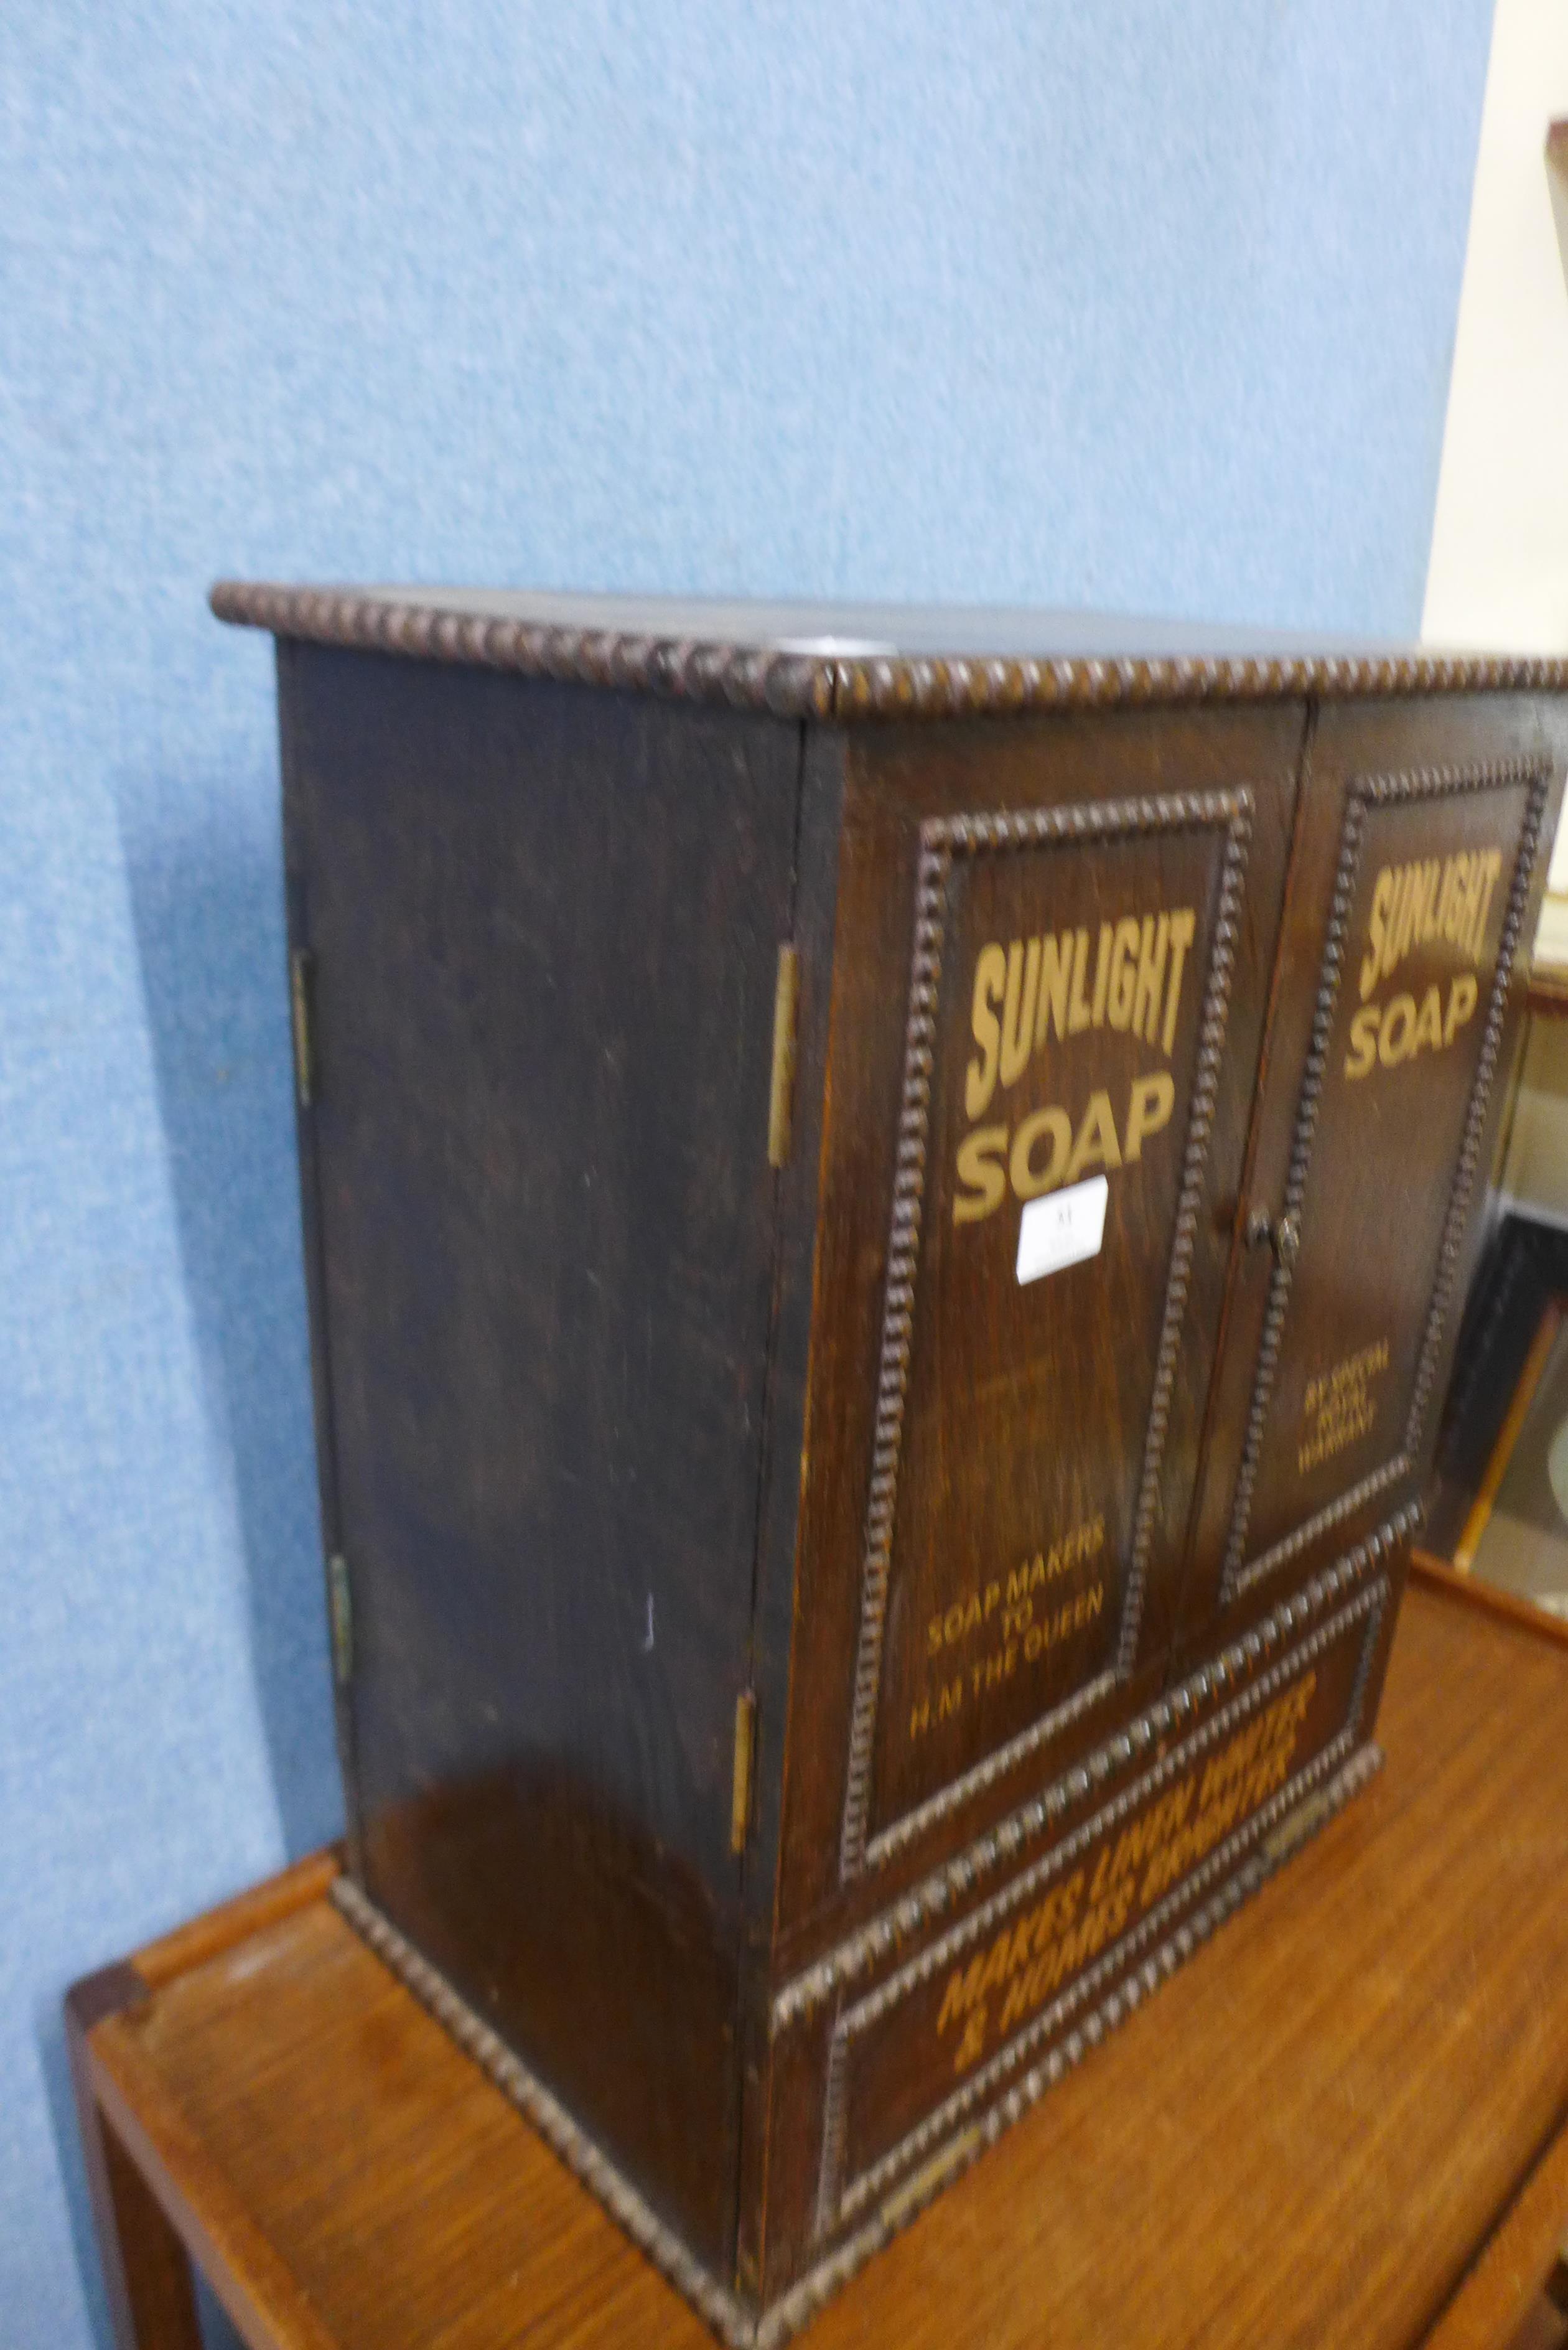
(1053, 953)
(1415, 883)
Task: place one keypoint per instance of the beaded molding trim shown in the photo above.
(803, 2301)
(882, 1936)
(792, 685)
(838, 2201)
(652, 2234)
(1366, 795)
(943, 838)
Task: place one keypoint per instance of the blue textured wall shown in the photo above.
(1134, 304)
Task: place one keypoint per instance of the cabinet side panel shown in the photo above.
(544, 925)
(796, 1304)
(295, 863)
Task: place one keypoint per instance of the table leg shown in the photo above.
(146, 2272)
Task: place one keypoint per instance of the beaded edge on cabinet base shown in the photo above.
(514, 2079)
(713, 2302)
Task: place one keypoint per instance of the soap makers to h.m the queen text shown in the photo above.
(1014, 1619)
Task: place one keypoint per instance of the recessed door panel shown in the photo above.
(1072, 978)
(1052, 960)
(1412, 902)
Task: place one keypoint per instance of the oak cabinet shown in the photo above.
(887, 1198)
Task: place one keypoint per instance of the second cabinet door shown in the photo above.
(1412, 901)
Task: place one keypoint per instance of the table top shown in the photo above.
(1549, 988)
(1309, 2137)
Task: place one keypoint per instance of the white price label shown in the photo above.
(1062, 1229)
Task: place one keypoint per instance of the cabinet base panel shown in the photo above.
(729, 2318)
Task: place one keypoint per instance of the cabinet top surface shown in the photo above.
(840, 661)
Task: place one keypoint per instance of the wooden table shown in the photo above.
(1549, 991)
(1345, 2122)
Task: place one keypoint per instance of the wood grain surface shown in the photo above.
(727, 1542)
(543, 928)
(1325, 1408)
(1305, 2140)
(991, 1365)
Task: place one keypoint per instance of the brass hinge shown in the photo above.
(740, 1784)
(340, 1617)
(781, 1094)
(302, 1008)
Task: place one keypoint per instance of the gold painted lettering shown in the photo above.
(981, 1166)
(1153, 1099)
(1080, 1014)
(1182, 927)
(1029, 1180)
(1123, 985)
(989, 978)
(1449, 897)
(1055, 976)
(1461, 1003)
(1097, 1144)
(1428, 1022)
(1491, 865)
(1018, 1011)
(974, 2041)
(1102, 973)
(1153, 944)
(1429, 898)
(962, 1992)
(1362, 1041)
(1394, 1043)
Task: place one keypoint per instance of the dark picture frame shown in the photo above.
(1497, 1503)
